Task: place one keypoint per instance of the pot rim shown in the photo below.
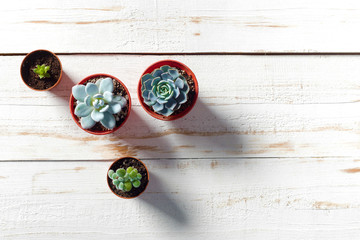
(157, 65)
(41, 50)
(72, 100)
(147, 171)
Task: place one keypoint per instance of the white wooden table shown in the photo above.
(270, 151)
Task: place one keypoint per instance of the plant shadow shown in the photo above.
(140, 137)
(159, 198)
(63, 90)
(220, 134)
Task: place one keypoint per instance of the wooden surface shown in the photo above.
(162, 26)
(270, 151)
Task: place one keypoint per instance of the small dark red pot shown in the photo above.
(109, 182)
(76, 119)
(171, 63)
(30, 55)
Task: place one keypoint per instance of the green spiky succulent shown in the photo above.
(125, 180)
(42, 71)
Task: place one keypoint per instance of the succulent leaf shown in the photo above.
(108, 121)
(79, 93)
(146, 77)
(166, 76)
(104, 109)
(42, 71)
(166, 112)
(108, 96)
(165, 68)
(114, 108)
(121, 186)
(179, 83)
(97, 116)
(182, 98)
(174, 73)
(127, 186)
(125, 180)
(106, 85)
(133, 174)
(110, 173)
(82, 110)
(165, 90)
(91, 89)
(158, 107)
(96, 103)
(157, 72)
(121, 172)
(136, 183)
(171, 104)
(87, 122)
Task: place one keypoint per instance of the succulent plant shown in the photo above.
(165, 89)
(97, 103)
(125, 180)
(42, 71)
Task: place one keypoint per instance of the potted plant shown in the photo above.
(168, 90)
(100, 104)
(127, 177)
(41, 70)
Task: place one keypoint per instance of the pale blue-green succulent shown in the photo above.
(165, 89)
(97, 103)
(125, 180)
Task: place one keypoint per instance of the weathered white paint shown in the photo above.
(218, 131)
(223, 80)
(207, 198)
(255, 26)
(257, 106)
(270, 151)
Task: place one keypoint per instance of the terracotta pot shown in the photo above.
(109, 181)
(171, 63)
(23, 64)
(76, 119)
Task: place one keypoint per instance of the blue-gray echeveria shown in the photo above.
(165, 89)
(97, 103)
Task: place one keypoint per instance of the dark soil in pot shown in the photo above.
(119, 117)
(125, 163)
(192, 95)
(38, 58)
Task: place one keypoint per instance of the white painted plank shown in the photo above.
(269, 106)
(218, 131)
(223, 80)
(190, 26)
(297, 198)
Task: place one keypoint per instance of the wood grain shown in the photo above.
(199, 26)
(297, 198)
(270, 106)
(223, 80)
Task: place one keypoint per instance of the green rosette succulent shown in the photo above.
(97, 103)
(165, 90)
(42, 71)
(125, 180)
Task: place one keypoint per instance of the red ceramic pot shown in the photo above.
(171, 63)
(76, 119)
(29, 58)
(108, 180)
